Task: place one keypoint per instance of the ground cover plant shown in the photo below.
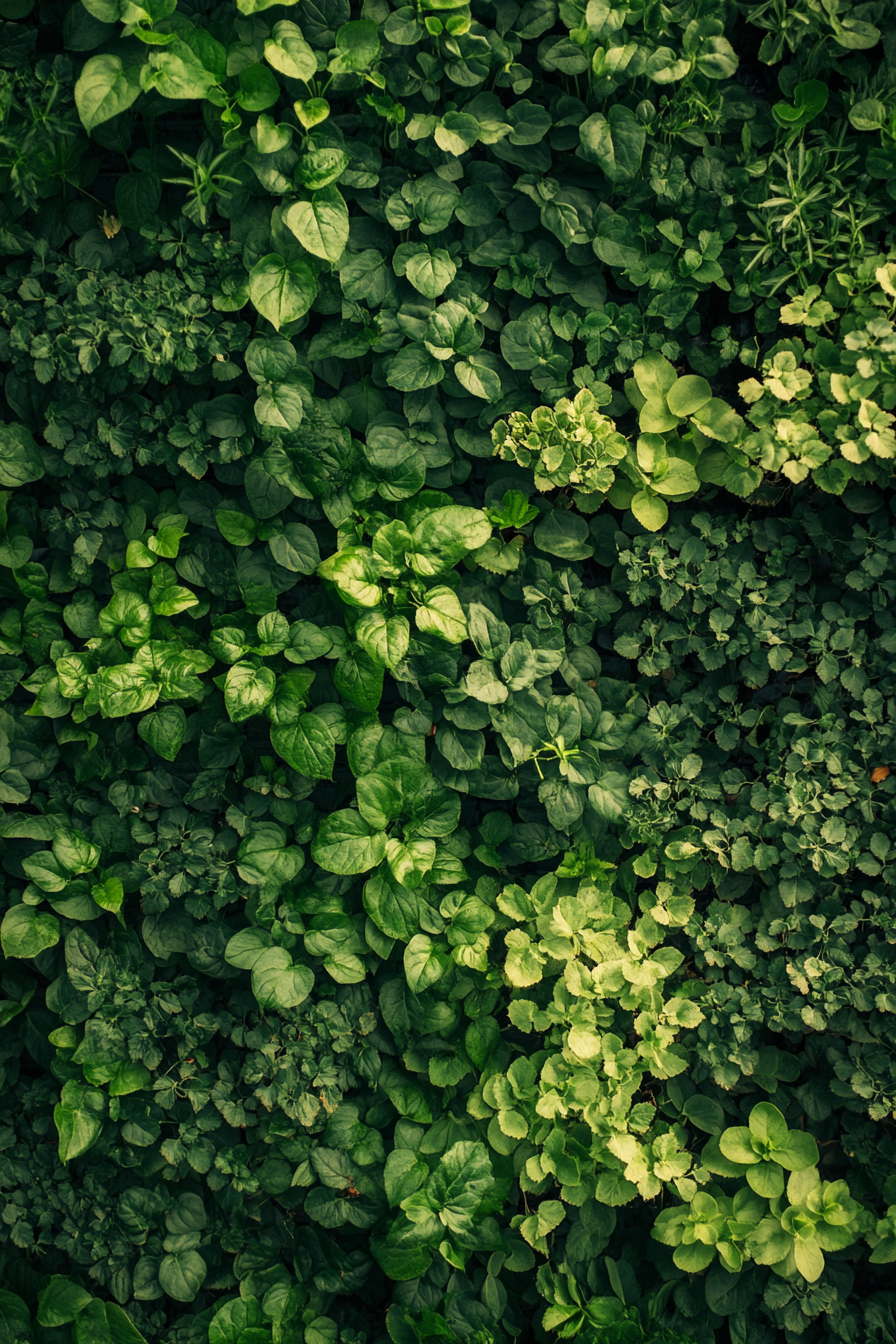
(446, 672)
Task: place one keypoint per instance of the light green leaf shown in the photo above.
(345, 843)
(287, 51)
(281, 291)
(441, 614)
(20, 457)
(615, 142)
(247, 690)
(78, 1119)
(425, 962)
(308, 746)
(277, 982)
(321, 224)
(687, 395)
(25, 931)
(105, 87)
(650, 511)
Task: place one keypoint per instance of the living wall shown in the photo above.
(446, 660)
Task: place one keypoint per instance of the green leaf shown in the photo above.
(15, 1318)
(539, 1225)
(430, 272)
(129, 1078)
(164, 731)
(308, 746)
(287, 51)
(767, 1124)
(678, 478)
(263, 857)
(61, 1301)
(809, 1259)
(870, 114)
(610, 796)
(127, 689)
(280, 405)
(718, 420)
(650, 511)
(441, 614)
(345, 843)
(391, 906)
(615, 142)
(404, 1173)
(247, 690)
(128, 617)
(258, 88)
(705, 1113)
(525, 962)
(25, 931)
(424, 963)
(445, 536)
(565, 535)
(655, 376)
(20, 457)
(357, 46)
(736, 1144)
(321, 224)
(414, 369)
(176, 72)
(277, 982)
(74, 852)
(105, 88)
(182, 1274)
(355, 571)
(245, 947)
(359, 679)
(799, 1152)
(78, 1119)
(281, 291)
(239, 1321)
(296, 549)
(385, 638)
(459, 1183)
(687, 395)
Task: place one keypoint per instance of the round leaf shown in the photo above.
(182, 1274)
(345, 843)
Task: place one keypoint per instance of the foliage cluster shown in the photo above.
(446, 695)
